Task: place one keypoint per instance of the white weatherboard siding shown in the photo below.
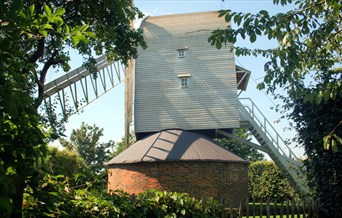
(210, 101)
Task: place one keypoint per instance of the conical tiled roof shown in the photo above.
(175, 145)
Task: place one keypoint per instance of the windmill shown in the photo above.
(182, 83)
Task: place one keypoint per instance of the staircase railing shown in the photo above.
(277, 148)
(267, 128)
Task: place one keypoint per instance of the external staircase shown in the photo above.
(272, 143)
(269, 140)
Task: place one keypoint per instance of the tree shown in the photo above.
(323, 166)
(121, 145)
(85, 141)
(267, 182)
(59, 161)
(34, 39)
(309, 49)
(306, 64)
(244, 151)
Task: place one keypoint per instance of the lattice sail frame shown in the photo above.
(82, 86)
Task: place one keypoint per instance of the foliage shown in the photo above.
(267, 182)
(50, 198)
(58, 162)
(312, 122)
(307, 65)
(171, 204)
(308, 37)
(120, 146)
(244, 151)
(85, 141)
(309, 50)
(56, 199)
(34, 39)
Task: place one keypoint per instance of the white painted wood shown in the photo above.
(210, 101)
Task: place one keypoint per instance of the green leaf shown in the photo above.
(326, 95)
(59, 11)
(222, 13)
(10, 171)
(47, 10)
(338, 139)
(326, 140)
(228, 17)
(43, 32)
(261, 86)
(75, 40)
(319, 97)
(32, 11)
(246, 23)
(54, 193)
(90, 34)
(47, 26)
(334, 145)
(252, 37)
(57, 20)
(76, 30)
(218, 45)
(67, 29)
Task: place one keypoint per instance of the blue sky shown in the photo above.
(107, 112)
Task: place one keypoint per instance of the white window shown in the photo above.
(184, 79)
(184, 82)
(181, 53)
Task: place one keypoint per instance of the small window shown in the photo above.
(184, 82)
(184, 79)
(181, 53)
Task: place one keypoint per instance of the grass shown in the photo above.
(277, 216)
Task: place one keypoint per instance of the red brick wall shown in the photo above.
(215, 179)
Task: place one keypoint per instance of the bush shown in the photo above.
(54, 198)
(153, 203)
(267, 182)
(68, 163)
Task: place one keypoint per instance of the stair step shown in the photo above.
(268, 138)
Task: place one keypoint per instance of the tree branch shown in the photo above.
(40, 82)
(39, 52)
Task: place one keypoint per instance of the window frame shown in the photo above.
(184, 82)
(184, 79)
(181, 53)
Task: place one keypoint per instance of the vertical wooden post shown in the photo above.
(204, 202)
(292, 209)
(247, 208)
(275, 208)
(282, 208)
(261, 212)
(268, 208)
(298, 209)
(287, 209)
(304, 208)
(129, 74)
(253, 208)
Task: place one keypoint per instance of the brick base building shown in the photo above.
(180, 161)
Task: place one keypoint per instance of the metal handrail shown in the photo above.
(263, 123)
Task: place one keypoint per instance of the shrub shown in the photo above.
(55, 198)
(267, 182)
